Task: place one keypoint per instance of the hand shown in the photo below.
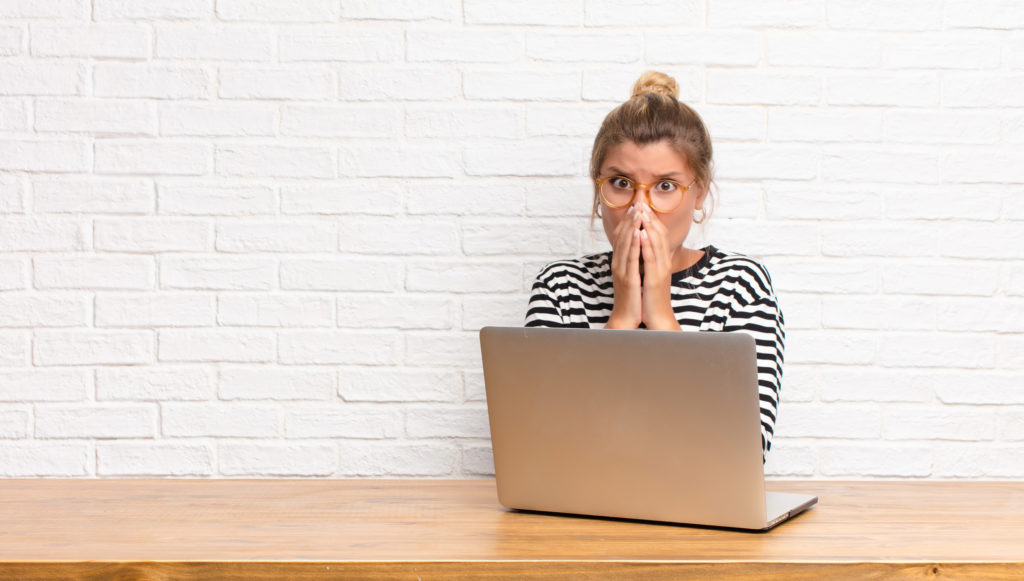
(627, 312)
(656, 301)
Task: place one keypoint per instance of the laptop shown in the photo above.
(635, 424)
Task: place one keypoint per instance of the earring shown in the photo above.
(703, 216)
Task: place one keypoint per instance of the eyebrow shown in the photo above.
(673, 175)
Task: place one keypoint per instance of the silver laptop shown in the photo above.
(649, 425)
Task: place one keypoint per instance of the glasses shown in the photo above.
(663, 196)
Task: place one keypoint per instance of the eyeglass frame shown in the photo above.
(599, 183)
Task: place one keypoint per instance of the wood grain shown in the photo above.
(324, 529)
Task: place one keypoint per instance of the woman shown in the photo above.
(651, 166)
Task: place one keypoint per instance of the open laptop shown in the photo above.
(649, 425)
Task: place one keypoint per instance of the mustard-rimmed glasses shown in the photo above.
(663, 196)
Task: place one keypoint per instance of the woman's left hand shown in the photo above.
(657, 313)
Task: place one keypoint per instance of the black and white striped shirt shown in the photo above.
(723, 291)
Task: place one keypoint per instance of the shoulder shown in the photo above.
(590, 267)
(741, 267)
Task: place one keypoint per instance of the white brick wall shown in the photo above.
(258, 237)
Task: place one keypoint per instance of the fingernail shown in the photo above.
(630, 210)
(643, 234)
(646, 217)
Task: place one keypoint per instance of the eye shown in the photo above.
(621, 183)
(666, 186)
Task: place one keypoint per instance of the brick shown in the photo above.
(908, 15)
(278, 11)
(474, 381)
(333, 121)
(876, 459)
(878, 313)
(149, 81)
(151, 383)
(984, 241)
(529, 12)
(801, 311)
(942, 50)
(819, 276)
(216, 345)
(152, 235)
(39, 310)
(345, 422)
(400, 161)
(11, 40)
(165, 460)
(422, 236)
(981, 462)
(898, 240)
(95, 421)
(834, 347)
(338, 348)
(773, 13)
(872, 164)
(948, 423)
(643, 13)
(417, 83)
(1010, 424)
(765, 238)
(278, 84)
(94, 272)
(941, 203)
(49, 385)
(702, 47)
(790, 460)
(275, 311)
(361, 458)
(445, 10)
(13, 115)
(15, 347)
(800, 202)
(362, 44)
(345, 274)
(463, 277)
(877, 385)
(277, 459)
(59, 9)
(462, 121)
(80, 196)
(42, 78)
(232, 43)
(478, 312)
(14, 424)
(222, 420)
(13, 274)
(272, 383)
(740, 87)
(520, 85)
(583, 47)
(731, 123)
(213, 200)
(40, 459)
(114, 41)
(960, 350)
(932, 278)
(447, 422)
(276, 236)
(399, 385)
(766, 161)
(459, 349)
(837, 420)
(1010, 350)
(560, 197)
(477, 460)
(998, 14)
(1013, 206)
(152, 157)
(903, 89)
(249, 119)
(12, 197)
(809, 124)
(562, 120)
(286, 161)
(477, 197)
(1014, 284)
(153, 10)
(44, 156)
(464, 45)
(155, 310)
(616, 84)
(349, 197)
(841, 50)
(951, 127)
(92, 347)
(561, 157)
(401, 311)
(203, 273)
(988, 167)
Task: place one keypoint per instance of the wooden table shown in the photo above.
(436, 529)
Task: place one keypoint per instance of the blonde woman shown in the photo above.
(652, 170)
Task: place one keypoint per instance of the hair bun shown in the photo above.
(655, 82)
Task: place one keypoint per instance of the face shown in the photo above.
(648, 164)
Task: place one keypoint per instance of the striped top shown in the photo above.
(723, 291)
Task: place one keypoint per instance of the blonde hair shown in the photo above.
(654, 113)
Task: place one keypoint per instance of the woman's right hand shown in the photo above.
(627, 310)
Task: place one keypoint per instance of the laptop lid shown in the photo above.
(633, 424)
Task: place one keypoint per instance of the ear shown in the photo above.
(702, 196)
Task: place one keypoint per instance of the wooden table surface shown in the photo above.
(408, 529)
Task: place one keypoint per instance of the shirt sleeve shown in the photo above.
(543, 309)
(754, 310)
